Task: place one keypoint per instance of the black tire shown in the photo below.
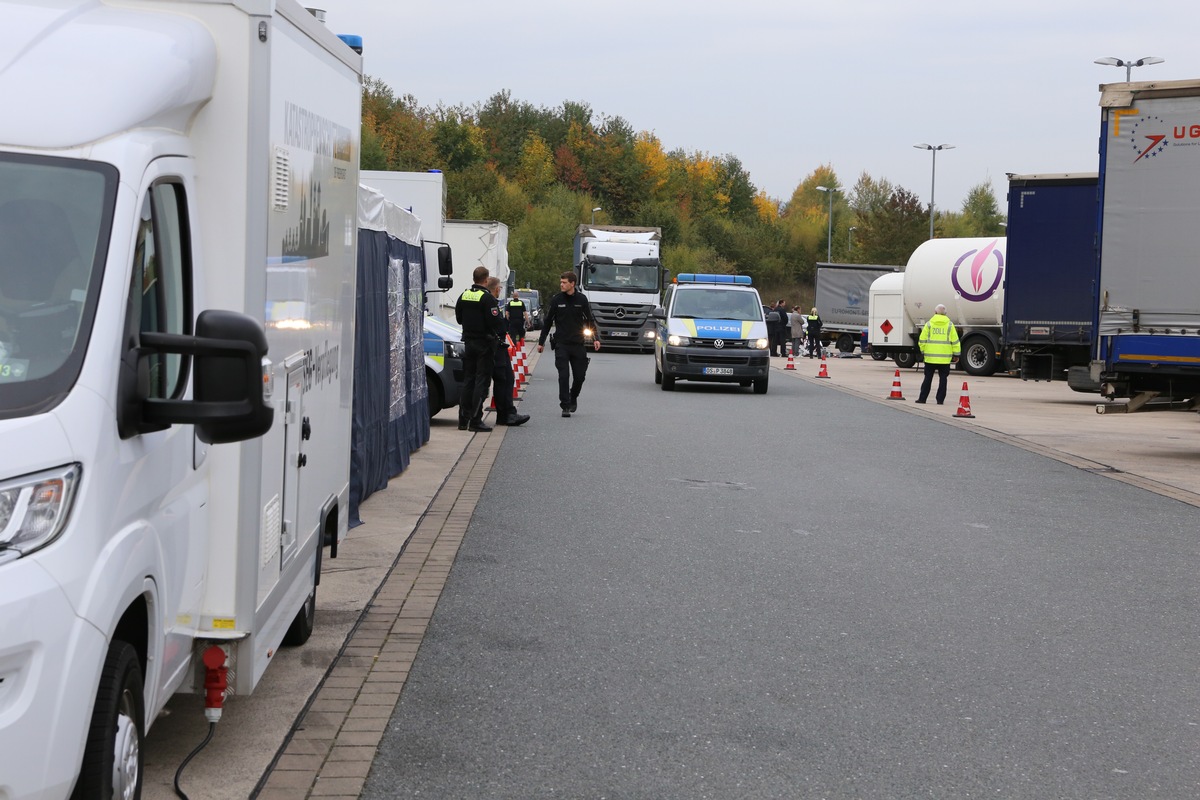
(845, 343)
(302, 626)
(760, 385)
(879, 355)
(668, 383)
(657, 375)
(435, 393)
(978, 356)
(112, 756)
(905, 358)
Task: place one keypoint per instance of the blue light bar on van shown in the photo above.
(353, 41)
(701, 277)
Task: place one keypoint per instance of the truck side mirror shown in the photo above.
(445, 263)
(445, 282)
(228, 403)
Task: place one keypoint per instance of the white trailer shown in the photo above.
(178, 185)
(472, 243)
(889, 328)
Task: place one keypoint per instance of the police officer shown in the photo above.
(569, 313)
(502, 374)
(814, 332)
(518, 319)
(479, 315)
(939, 345)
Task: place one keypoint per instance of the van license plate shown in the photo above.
(718, 370)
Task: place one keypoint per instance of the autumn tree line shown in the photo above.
(541, 171)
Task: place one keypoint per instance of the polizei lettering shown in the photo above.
(322, 365)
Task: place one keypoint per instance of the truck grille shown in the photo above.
(621, 317)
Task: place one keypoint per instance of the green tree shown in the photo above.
(890, 234)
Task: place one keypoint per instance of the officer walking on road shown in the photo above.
(518, 319)
(479, 315)
(502, 374)
(939, 345)
(570, 314)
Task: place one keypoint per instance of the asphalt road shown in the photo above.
(712, 594)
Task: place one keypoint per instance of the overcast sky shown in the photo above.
(788, 85)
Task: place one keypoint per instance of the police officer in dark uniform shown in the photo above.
(479, 315)
(503, 377)
(517, 318)
(569, 313)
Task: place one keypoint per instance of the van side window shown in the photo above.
(160, 295)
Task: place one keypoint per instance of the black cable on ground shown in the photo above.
(212, 728)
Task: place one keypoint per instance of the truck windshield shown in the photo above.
(55, 215)
(622, 278)
(717, 304)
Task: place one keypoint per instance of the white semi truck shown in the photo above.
(620, 270)
(178, 185)
(967, 276)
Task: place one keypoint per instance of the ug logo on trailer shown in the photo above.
(977, 274)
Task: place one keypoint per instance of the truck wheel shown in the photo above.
(657, 374)
(435, 393)
(760, 385)
(845, 343)
(112, 757)
(302, 626)
(905, 358)
(879, 355)
(978, 356)
(668, 383)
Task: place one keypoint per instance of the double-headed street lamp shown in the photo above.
(1129, 65)
(932, 148)
(829, 190)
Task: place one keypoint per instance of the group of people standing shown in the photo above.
(487, 331)
(793, 327)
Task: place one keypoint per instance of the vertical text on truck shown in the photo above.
(620, 271)
(177, 289)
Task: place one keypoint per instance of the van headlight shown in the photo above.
(675, 340)
(34, 508)
(758, 344)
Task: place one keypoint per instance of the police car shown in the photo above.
(444, 351)
(711, 328)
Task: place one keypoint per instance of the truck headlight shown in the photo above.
(675, 340)
(758, 344)
(34, 508)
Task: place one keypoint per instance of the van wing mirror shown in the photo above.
(228, 403)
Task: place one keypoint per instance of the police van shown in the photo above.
(711, 328)
(444, 351)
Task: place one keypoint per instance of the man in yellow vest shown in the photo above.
(939, 346)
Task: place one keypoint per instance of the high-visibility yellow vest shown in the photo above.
(939, 340)
(472, 295)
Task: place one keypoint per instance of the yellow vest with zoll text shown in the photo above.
(939, 340)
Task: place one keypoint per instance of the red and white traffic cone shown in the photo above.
(824, 373)
(791, 364)
(964, 405)
(896, 393)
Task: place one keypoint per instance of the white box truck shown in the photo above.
(842, 298)
(472, 243)
(178, 186)
(620, 270)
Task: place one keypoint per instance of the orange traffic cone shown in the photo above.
(824, 373)
(964, 405)
(896, 393)
(791, 364)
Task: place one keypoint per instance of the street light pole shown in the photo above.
(829, 190)
(594, 210)
(1129, 65)
(850, 238)
(932, 148)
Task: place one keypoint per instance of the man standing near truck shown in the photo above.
(571, 315)
(479, 315)
(939, 345)
(518, 319)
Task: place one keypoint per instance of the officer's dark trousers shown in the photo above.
(572, 362)
(943, 373)
(503, 378)
(478, 362)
